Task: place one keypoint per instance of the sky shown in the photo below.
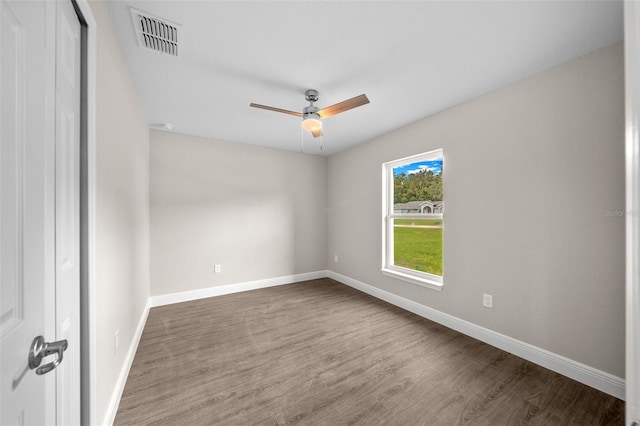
(434, 165)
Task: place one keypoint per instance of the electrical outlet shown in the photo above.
(217, 269)
(116, 342)
(335, 258)
(487, 300)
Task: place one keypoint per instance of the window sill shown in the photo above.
(423, 282)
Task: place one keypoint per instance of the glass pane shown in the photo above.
(417, 244)
(417, 190)
(417, 187)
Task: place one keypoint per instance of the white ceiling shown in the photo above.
(412, 59)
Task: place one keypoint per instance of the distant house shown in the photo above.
(419, 207)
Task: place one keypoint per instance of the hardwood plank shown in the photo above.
(321, 353)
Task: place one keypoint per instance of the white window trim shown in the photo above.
(424, 279)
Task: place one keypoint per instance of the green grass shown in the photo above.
(421, 222)
(418, 248)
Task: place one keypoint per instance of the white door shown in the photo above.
(632, 99)
(39, 158)
(26, 232)
(67, 210)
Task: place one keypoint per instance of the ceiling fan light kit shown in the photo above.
(311, 115)
(311, 123)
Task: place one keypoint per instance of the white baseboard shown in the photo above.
(112, 410)
(168, 299)
(582, 373)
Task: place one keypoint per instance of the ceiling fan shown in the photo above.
(311, 115)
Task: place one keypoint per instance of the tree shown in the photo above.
(421, 186)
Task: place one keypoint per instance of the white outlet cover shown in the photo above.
(487, 300)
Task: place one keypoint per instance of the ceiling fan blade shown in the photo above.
(343, 106)
(316, 133)
(285, 111)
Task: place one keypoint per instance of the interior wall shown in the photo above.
(122, 206)
(534, 195)
(259, 213)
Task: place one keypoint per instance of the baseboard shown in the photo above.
(582, 373)
(168, 299)
(112, 410)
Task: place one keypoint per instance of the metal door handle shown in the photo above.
(40, 349)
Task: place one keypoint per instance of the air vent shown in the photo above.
(157, 34)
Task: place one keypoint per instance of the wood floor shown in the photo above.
(321, 353)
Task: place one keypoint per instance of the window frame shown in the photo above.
(425, 279)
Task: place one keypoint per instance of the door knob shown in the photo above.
(40, 349)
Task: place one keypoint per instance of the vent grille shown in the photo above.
(157, 34)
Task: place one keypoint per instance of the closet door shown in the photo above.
(632, 94)
(67, 209)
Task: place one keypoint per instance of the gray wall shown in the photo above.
(122, 204)
(530, 170)
(260, 213)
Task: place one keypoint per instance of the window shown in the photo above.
(413, 219)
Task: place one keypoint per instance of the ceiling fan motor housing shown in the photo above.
(310, 110)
